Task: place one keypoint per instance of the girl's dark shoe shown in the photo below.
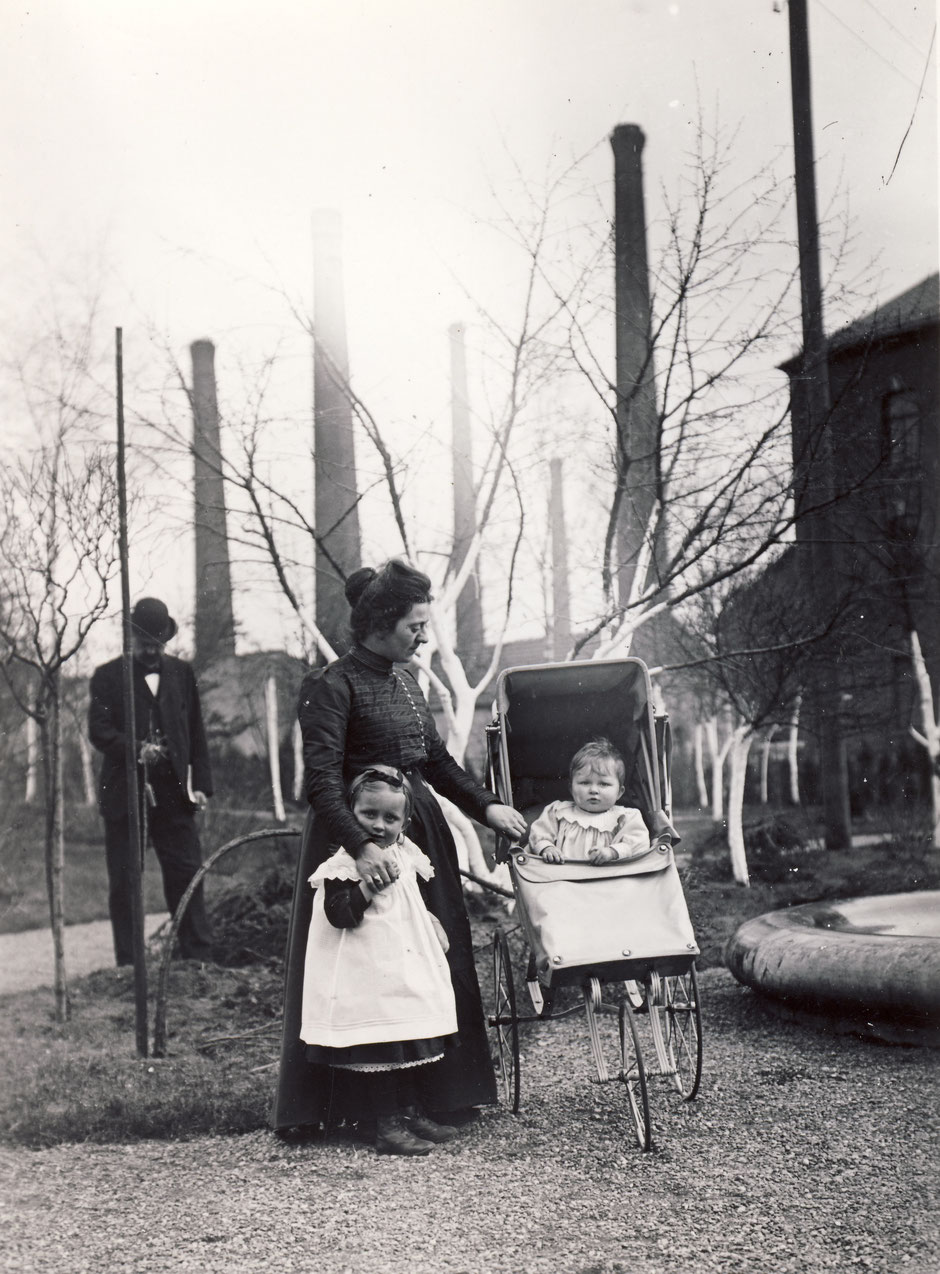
(393, 1137)
(429, 1129)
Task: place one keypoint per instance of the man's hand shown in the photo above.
(200, 800)
(151, 751)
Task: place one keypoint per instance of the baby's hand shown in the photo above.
(550, 854)
(603, 854)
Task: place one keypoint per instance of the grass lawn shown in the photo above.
(83, 1081)
(23, 898)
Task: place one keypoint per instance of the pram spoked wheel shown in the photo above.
(633, 1075)
(676, 1022)
(627, 1066)
(506, 1020)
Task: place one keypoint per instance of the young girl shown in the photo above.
(377, 993)
(591, 827)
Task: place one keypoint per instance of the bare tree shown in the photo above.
(58, 553)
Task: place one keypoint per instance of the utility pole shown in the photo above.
(135, 845)
(561, 597)
(815, 403)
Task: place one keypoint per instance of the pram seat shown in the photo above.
(612, 921)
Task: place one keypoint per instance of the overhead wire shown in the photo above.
(871, 48)
(920, 90)
(897, 30)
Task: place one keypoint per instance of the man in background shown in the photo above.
(173, 769)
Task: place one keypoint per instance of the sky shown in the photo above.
(186, 145)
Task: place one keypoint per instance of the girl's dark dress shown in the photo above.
(361, 711)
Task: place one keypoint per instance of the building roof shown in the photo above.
(916, 308)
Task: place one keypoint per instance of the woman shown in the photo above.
(366, 709)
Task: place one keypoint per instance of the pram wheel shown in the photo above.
(630, 1070)
(683, 1031)
(506, 1020)
(633, 1075)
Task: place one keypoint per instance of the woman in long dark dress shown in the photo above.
(366, 708)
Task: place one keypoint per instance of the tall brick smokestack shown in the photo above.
(469, 623)
(336, 516)
(561, 597)
(215, 623)
(637, 423)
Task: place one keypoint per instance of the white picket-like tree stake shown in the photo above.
(929, 737)
(765, 764)
(88, 771)
(274, 757)
(699, 754)
(297, 745)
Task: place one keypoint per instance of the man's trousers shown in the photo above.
(171, 827)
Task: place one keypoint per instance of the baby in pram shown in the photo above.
(591, 827)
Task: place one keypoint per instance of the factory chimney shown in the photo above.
(561, 598)
(215, 624)
(637, 419)
(469, 611)
(336, 516)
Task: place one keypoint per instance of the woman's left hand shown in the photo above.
(507, 821)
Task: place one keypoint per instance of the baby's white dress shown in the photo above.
(574, 832)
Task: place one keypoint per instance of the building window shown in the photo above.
(900, 432)
(900, 450)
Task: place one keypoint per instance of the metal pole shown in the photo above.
(135, 848)
(815, 377)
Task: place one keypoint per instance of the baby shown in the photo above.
(591, 827)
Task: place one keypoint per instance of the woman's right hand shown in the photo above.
(375, 867)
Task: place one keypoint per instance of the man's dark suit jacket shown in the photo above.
(180, 718)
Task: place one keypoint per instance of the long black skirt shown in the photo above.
(314, 1096)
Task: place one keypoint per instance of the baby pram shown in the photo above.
(621, 931)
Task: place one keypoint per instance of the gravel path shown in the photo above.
(805, 1152)
(27, 957)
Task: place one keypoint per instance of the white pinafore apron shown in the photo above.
(386, 979)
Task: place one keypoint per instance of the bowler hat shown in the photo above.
(151, 619)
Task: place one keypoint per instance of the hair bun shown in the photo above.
(357, 583)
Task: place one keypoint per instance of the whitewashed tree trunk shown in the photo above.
(717, 756)
(740, 747)
(32, 758)
(470, 854)
(297, 742)
(765, 763)
(699, 754)
(793, 739)
(929, 736)
(274, 757)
